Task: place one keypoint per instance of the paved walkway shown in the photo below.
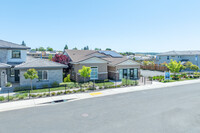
(72, 97)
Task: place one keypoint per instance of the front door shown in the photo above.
(16, 75)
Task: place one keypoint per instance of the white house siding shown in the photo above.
(53, 75)
(22, 59)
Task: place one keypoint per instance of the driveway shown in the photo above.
(148, 73)
(165, 110)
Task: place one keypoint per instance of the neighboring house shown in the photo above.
(183, 56)
(14, 62)
(104, 65)
(42, 54)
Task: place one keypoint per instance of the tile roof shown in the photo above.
(10, 45)
(39, 63)
(3, 65)
(189, 52)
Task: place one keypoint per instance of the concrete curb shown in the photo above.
(41, 101)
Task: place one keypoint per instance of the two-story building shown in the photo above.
(14, 63)
(183, 56)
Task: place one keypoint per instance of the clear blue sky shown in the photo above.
(122, 25)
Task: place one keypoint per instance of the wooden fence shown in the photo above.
(154, 67)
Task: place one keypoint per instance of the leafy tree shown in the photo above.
(86, 48)
(66, 47)
(97, 49)
(60, 58)
(31, 74)
(41, 49)
(36, 49)
(50, 57)
(85, 72)
(33, 49)
(163, 64)
(188, 64)
(23, 43)
(49, 49)
(174, 66)
(108, 49)
(75, 48)
(194, 67)
(145, 63)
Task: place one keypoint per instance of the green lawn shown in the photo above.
(106, 84)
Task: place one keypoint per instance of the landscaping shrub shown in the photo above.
(21, 97)
(67, 79)
(55, 84)
(8, 84)
(53, 93)
(10, 98)
(39, 95)
(100, 87)
(150, 78)
(58, 93)
(45, 86)
(33, 95)
(47, 94)
(118, 86)
(2, 98)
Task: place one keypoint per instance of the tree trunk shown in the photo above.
(31, 85)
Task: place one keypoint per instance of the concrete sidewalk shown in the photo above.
(78, 96)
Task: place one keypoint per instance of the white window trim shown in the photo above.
(97, 73)
(42, 75)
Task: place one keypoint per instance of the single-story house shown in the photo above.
(104, 65)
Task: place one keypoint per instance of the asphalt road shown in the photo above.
(166, 110)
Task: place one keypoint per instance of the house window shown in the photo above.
(167, 57)
(94, 73)
(159, 57)
(43, 75)
(16, 54)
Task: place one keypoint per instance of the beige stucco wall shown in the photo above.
(102, 70)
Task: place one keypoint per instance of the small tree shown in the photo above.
(194, 67)
(174, 66)
(75, 48)
(50, 57)
(60, 58)
(49, 49)
(31, 74)
(85, 72)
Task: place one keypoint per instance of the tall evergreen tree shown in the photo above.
(23, 43)
(66, 47)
